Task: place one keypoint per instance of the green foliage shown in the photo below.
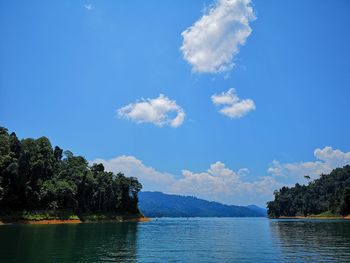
(325, 214)
(345, 205)
(328, 195)
(36, 177)
(37, 216)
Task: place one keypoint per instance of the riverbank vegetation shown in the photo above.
(327, 196)
(39, 181)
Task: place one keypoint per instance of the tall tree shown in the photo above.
(34, 176)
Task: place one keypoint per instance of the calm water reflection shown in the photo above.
(180, 240)
(312, 240)
(68, 243)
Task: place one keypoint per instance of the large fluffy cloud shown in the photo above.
(152, 180)
(327, 160)
(157, 111)
(212, 42)
(233, 106)
(222, 184)
(218, 183)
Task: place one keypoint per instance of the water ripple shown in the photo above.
(180, 240)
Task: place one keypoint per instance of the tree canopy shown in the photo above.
(329, 193)
(36, 176)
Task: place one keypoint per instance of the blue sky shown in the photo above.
(67, 67)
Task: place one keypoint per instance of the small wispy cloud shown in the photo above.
(233, 106)
(212, 42)
(159, 111)
(88, 7)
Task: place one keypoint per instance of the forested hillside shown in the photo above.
(329, 194)
(157, 204)
(36, 176)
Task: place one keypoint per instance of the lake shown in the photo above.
(180, 240)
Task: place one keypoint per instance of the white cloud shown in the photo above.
(157, 111)
(243, 172)
(222, 184)
(327, 160)
(88, 7)
(233, 106)
(218, 183)
(151, 179)
(212, 42)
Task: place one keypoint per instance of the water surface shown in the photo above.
(180, 240)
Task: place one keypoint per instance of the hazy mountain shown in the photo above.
(157, 204)
(258, 209)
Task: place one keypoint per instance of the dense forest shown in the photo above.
(330, 194)
(157, 204)
(36, 176)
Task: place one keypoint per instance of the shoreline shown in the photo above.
(314, 217)
(57, 221)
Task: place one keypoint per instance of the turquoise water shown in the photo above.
(180, 240)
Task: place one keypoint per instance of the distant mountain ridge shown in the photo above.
(158, 204)
(258, 209)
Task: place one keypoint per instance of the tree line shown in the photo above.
(36, 176)
(330, 193)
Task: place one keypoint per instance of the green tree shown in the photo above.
(326, 194)
(35, 176)
(345, 208)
